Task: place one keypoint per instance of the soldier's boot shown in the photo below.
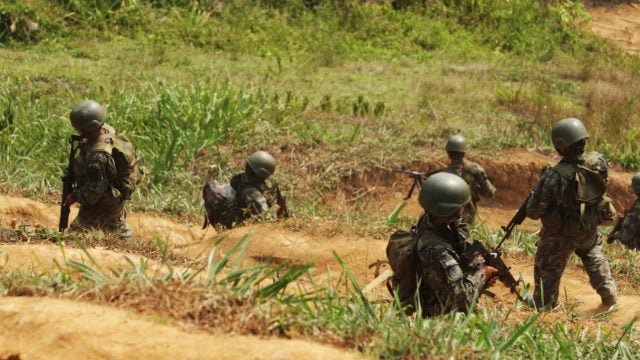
(609, 300)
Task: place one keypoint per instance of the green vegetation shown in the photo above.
(332, 88)
(250, 298)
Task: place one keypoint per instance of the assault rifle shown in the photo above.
(418, 178)
(281, 200)
(68, 181)
(494, 257)
(612, 235)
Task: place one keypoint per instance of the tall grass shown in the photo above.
(337, 313)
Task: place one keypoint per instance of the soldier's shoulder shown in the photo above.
(433, 243)
(473, 167)
(596, 160)
(109, 129)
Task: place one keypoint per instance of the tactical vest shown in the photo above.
(123, 153)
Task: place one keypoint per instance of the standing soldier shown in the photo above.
(571, 201)
(102, 186)
(628, 230)
(471, 172)
(449, 281)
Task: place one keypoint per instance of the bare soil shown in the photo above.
(45, 328)
(619, 23)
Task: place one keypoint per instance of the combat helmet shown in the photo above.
(88, 115)
(442, 194)
(635, 183)
(455, 144)
(262, 163)
(567, 132)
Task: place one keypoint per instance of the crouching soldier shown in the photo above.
(105, 173)
(246, 196)
(627, 231)
(442, 272)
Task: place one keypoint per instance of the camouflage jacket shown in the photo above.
(556, 201)
(252, 197)
(95, 173)
(478, 182)
(629, 233)
(449, 282)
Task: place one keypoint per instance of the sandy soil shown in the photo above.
(620, 23)
(45, 328)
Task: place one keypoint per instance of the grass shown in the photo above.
(332, 89)
(269, 300)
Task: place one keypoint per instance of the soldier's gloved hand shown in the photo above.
(70, 200)
(491, 275)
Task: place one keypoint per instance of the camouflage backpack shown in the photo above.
(586, 190)
(129, 174)
(220, 205)
(402, 253)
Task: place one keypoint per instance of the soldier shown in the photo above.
(246, 196)
(571, 202)
(449, 281)
(98, 190)
(471, 172)
(251, 187)
(629, 232)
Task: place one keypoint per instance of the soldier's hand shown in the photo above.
(70, 200)
(491, 275)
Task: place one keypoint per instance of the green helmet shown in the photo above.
(455, 144)
(262, 163)
(442, 194)
(88, 115)
(635, 183)
(567, 132)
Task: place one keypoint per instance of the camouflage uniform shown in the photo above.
(252, 197)
(569, 226)
(100, 202)
(629, 233)
(478, 182)
(449, 283)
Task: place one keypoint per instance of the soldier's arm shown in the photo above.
(460, 288)
(254, 201)
(485, 187)
(100, 168)
(629, 230)
(544, 195)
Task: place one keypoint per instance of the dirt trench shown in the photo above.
(296, 241)
(46, 328)
(514, 173)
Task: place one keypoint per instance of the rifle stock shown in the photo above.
(68, 181)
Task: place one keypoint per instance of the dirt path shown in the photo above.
(45, 328)
(619, 23)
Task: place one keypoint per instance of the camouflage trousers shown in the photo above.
(553, 253)
(107, 215)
